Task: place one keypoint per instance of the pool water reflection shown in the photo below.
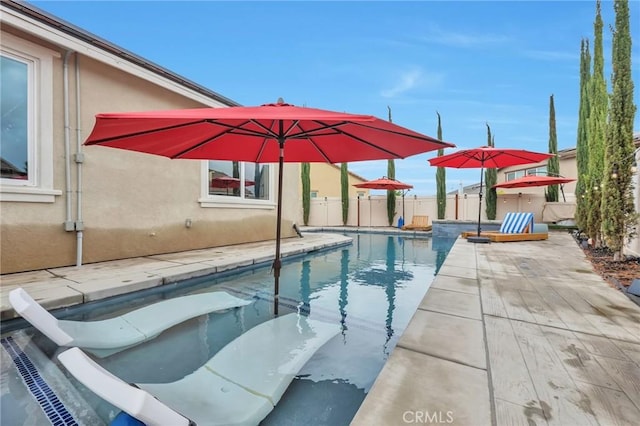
(371, 289)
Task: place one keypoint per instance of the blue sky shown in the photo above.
(474, 62)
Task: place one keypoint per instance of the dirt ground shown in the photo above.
(624, 271)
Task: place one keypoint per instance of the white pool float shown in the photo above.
(240, 385)
(112, 335)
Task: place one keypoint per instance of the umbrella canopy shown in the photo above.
(533, 180)
(487, 157)
(254, 134)
(229, 182)
(384, 183)
(261, 134)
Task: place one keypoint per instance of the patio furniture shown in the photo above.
(241, 384)
(106, 337)
(515, 227)
(418, 223)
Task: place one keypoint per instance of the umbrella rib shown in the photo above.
(236, 130)
(145, 132)
(337, 129)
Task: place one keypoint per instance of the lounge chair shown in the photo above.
(240, 385)
(106, 337)
(515, 227)
(418, 223)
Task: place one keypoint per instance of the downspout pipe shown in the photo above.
(68, 222)
(79, 159)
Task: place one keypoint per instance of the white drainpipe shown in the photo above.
(79, 159)
(68, 223)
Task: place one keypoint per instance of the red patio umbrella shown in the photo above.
(271, 133)
(489, 157)
(385, 183)
(228, 182)
(533, 180)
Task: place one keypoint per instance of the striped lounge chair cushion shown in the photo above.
(517, 223)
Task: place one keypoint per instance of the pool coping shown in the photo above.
(69, 286)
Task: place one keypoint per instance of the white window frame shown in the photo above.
(39, 187)
(222, 201)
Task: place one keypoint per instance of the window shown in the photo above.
(237, 182)
(26, 108)
(314, 194)
(534, 171)
(14, 110)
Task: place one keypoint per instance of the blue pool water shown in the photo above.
(370, 288)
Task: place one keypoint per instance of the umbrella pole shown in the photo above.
(276, 261)
(480, 199)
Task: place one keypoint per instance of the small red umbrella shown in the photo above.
(228, 182)
(388, 184)
(533, 180)
(384, 183)
(489, 157)
(261, 134)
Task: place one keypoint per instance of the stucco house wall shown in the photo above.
(132, 204)
(325, 181)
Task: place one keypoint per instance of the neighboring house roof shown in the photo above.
(100, 43)
(351, 173)
(571, 152)
(474, 188)
(9, 169)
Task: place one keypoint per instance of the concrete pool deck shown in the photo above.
(518, 333)
(508, 334)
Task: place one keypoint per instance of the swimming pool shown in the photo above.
(370, 288)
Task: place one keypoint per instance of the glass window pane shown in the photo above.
(256, 181)
(14, 110)
(224, 178)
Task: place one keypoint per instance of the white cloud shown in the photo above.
(466, 40)
(413, 79)
(551, 55)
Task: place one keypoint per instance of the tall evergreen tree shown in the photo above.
(306, 191)
(441, 185)
(344, 187)
(553, 164)
(490, 179)
(597, 125)
(582, 146)
(391, 195)
(619, 217)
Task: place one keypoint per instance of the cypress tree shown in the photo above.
(344, 186)
(618, 212)
(582, 147)
(441, 186)
(553, 165)
(490, 178)
(306, 192)
(391, 195)
(597, 124)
